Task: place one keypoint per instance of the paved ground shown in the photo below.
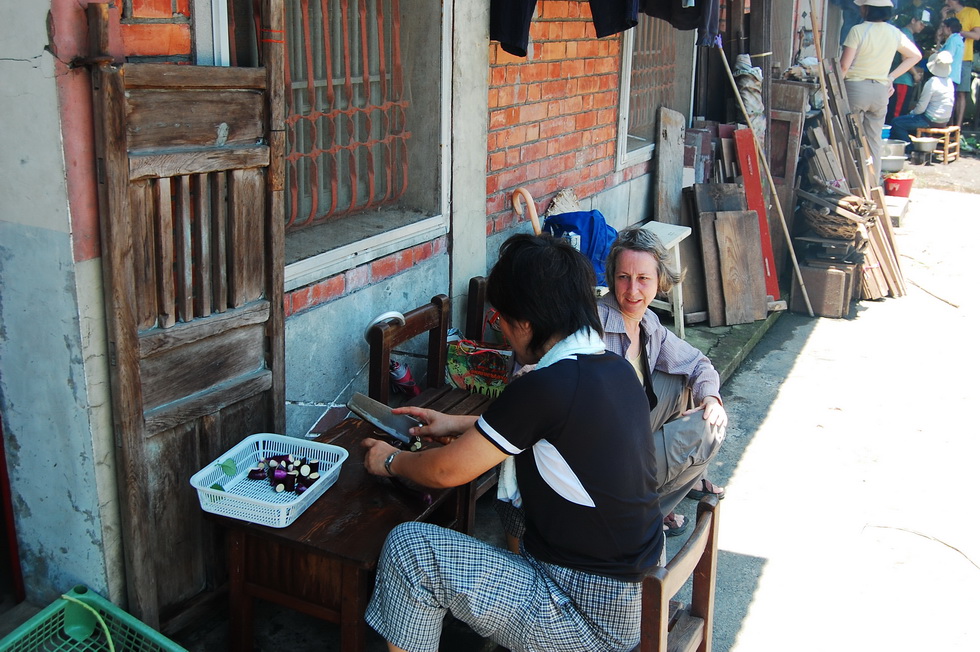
(962, 175)
(850, 521)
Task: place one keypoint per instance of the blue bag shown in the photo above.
(588, 232)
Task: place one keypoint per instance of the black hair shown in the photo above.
(877, 14)
(543, 280)
(954, 24)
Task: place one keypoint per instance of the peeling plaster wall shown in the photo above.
(51, 337)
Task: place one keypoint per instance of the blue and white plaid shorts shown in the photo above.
(515, 600)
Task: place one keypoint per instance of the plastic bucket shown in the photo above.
(898, 187)
(886, 132)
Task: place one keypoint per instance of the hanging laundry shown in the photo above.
(510, 20)
(748, 78)
(685, 15)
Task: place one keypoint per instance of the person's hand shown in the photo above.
(436, 426)
(714, 412)
(375, 455)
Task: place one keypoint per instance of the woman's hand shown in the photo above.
(375, 455)
(714, 412)
(437, 426)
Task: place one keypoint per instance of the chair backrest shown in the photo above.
(385, 336)
(668, 623)
(476, 308)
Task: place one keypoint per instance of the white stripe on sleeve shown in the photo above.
(497, 438)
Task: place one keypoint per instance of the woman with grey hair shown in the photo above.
(687, 418)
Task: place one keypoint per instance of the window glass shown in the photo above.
(657, 72)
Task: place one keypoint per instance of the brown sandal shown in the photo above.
(706, 489)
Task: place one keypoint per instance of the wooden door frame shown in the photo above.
(118, 258)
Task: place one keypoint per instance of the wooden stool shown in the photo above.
(670, 236)
(949, 148)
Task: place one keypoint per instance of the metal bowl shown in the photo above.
(924, 144)
(892, 163)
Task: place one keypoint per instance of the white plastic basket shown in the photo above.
(254, 500)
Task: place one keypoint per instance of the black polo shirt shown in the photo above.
(580, 432)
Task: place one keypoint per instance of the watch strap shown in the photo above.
(388, 461)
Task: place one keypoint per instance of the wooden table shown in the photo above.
(324, 563)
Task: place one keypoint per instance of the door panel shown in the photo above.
(191, 218)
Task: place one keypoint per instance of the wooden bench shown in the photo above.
(384, 336)
(949, 147)
(667, 624)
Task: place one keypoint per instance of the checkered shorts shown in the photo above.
(517, 601)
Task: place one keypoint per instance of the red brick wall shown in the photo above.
(157, 28)
(553, 115)
(352, 280)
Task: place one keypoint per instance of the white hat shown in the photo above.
(874, 3)
(940, 63)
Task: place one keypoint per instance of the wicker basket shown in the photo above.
(828, 224)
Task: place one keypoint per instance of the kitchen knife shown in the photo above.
(380, 415)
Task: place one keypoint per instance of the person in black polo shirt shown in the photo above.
(577, 428)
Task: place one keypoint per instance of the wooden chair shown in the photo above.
(383, 337)
(476, 308)
(948, 148)
(667, 625)
(433, 317)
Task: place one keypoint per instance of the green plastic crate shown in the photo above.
(67, 626)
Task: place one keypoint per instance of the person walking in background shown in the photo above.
(866, 63)
(970, 31)
(935, 105)
(915, 24)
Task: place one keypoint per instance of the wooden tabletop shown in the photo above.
(353, 517)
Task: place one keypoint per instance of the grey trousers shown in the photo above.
(869, 103)
(685, 445)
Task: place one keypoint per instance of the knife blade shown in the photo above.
(379, 415)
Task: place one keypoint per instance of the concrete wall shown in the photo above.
(52, 363)
(326, 355)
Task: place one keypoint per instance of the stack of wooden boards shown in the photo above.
(850, 244)
(730, 264)
(733, 262)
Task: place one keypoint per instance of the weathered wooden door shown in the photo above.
(190, 178)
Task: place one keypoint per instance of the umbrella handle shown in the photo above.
(532, 211)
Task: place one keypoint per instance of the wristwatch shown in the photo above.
(388, 461)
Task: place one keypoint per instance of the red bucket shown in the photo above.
(897, 187)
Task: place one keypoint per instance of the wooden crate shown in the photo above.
(827, 288)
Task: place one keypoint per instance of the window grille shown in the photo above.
(346, 135)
